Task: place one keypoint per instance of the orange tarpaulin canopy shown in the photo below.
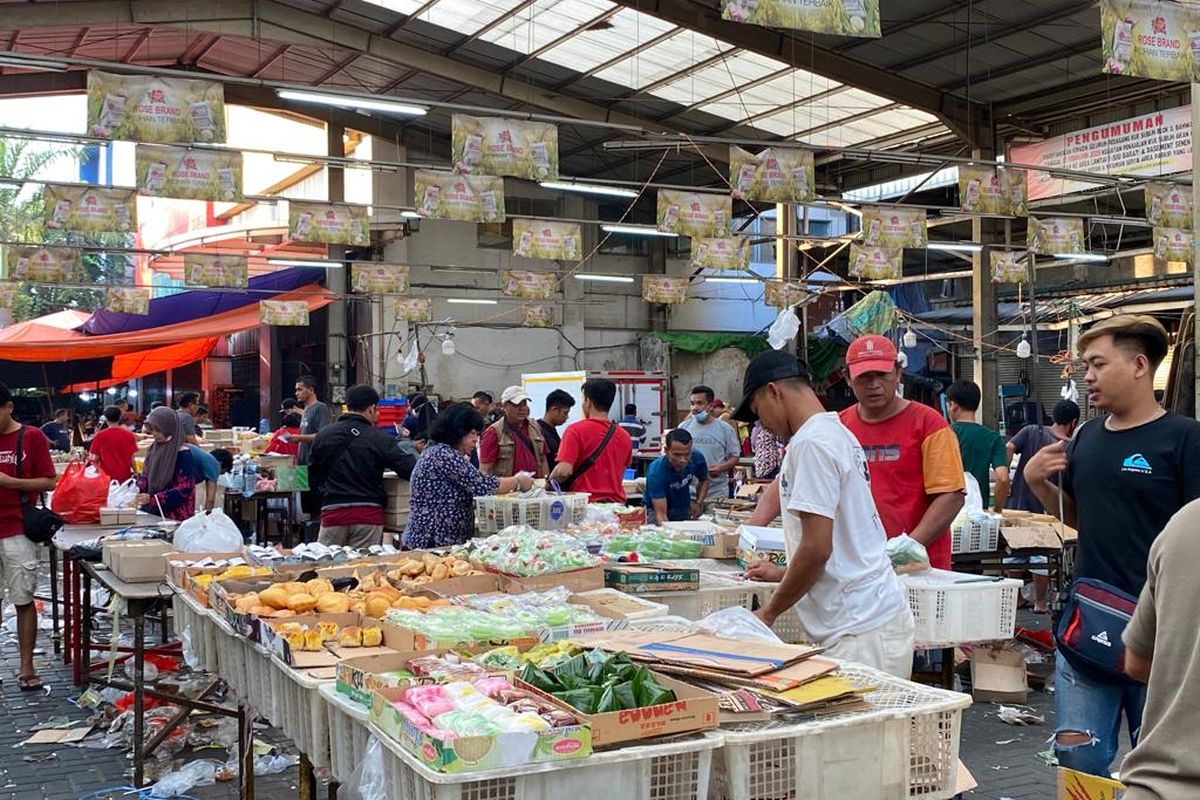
(47, 343)
(147, 362)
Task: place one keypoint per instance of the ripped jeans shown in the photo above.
(1087, 705)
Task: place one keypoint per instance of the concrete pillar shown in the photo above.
(336, 279)
(983, 290)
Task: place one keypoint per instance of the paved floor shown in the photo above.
(1004, 759)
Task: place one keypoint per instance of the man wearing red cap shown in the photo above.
(916, 468)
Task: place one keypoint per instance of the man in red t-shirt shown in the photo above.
(113, 447)
(603, 479)
(913, 456)
(18, 554)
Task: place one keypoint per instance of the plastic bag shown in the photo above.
(122, 495)
(738, 622)
(367, 781)
(783, 329)
(213, 532)
(80, 494)
(907, 554)
(177, 783)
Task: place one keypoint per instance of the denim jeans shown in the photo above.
(1093, 707)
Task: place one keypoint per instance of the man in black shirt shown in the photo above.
(1122, 478)
(558, 408)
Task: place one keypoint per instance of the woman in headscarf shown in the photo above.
(167, 484)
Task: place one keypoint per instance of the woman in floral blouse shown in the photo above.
(444, 484)
(167, 485)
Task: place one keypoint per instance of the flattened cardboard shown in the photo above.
(1032, 537)
(701, 651)
(998, 676)
(1074, 785)
(58, 736)
(964, 781)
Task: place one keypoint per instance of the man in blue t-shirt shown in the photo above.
(669, 481)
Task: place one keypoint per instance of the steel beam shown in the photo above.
(906, 24)
(497, 22)
(617, 59)
(79, 40)
(1059, 52)
(336, 68)
(137, 45)
(266, 63)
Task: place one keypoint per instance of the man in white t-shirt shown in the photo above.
(838, 577)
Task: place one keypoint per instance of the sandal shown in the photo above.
(29, 683)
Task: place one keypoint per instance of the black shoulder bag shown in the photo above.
(588, 462)
(40, 523)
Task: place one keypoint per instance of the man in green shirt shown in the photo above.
(982, 448)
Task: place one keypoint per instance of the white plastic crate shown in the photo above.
(721, 587)
(904, 746)
(305, 714)
(714, 594)
(348, 734)
(975, 535)
(952, 608)
(549, 512)
(675, 770)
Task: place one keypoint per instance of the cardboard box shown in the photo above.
(221, 602)
(998, 676)
(619, 606)
(407, 640)
(579, 580)
(180, 565)
(1074, 785)
(692, 710)
(761, 544)
(474, 753)
(118, 516)
(359, 676)
(450, 587)
(137, 561)
(278, 644)
(750, 491)
(639, 579)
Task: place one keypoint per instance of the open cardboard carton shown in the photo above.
(998, 676)
(647, 578)
(719, 542)
(221, 601)
(474, 753)
(181, 564)
(579, 580)
(359, 676)
(331, 651)
(407, 640)
(692, 710)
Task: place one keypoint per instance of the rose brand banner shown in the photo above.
(537, 316)
(495, 146)
(660, 289)
(414, 309)
(215, 272)
(894, 226)
(876, 263)
(703, 216)
(529, 285)
(44, 264)
(1055, 235)
(467, 198)
(188, 174)
(89, 209)
(990, 190)
(283, 312)
(731, 252)
(837, 17)
(1148, 39)
(128, 300)
(8, 294)
(140, 108)
(370, 278)
(547, 239)
(776, 175)
(783, 295)
(1006, 268)
(1169, 205)
(1173, 244)
(328, 223)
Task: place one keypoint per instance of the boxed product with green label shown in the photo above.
(761, 544)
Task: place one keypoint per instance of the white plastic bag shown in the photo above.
(784, 328)
(738, 622)
(122, 495)
(907, 554)
(409, 362)
(177, 783)
(367, 781)
(214, 532)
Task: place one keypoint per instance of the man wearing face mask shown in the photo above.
(717, 441)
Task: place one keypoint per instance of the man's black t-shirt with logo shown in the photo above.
(1126, 485)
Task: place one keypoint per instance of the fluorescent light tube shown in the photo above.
(592, 276)
(589, 188)
(349, 101)
(636, 230)
(1082, 256)
(296, 262)
(955, 247)
(12, 60)
(471, 301)
(410, 215)
(730, 280)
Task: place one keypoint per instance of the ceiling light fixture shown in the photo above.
(471, 301)
(14, 60)
(955, 247)
(592, 276)
(297, 262)
(636, 230)
(410, 215)
(1082, 256)
(730, 280)
(350, 101)
(588, 188)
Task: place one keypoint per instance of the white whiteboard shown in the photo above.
(539, 385)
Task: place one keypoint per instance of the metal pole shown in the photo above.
(1195, 260)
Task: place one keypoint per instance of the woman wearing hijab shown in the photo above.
(167, 484)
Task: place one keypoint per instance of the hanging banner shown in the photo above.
(1006, 268)
(1173, 244)
(529, 285)
(1169, 205)
(543, 238)
(1149, 39)
(660, 289)
(89, 209)
(495, 146)
(876, 263)
(370, 278)
(776, 175)
(703, 216)
(140, 108)
(858, 18)
(467, 198)
(188, 174)
(328, 223)
(537, 316)
(894, 226)
(989, 190)
(283, 312)
(1158, 143)
(414, 309)
(217, 272)
(783, 295)
(44, 264)
(8, 294)
(725, 253)
(128, 300)
(1054, 236)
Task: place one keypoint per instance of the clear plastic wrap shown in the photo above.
(738, 622)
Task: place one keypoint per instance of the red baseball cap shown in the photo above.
(871, 354)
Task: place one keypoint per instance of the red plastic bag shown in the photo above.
(80, 493)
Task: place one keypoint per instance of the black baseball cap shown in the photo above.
(773, 365)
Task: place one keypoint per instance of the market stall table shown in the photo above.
(234, 500)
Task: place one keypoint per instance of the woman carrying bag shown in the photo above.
(167, 485)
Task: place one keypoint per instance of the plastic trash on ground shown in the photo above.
(368, 781)
(190, 775)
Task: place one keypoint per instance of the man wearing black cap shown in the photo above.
(838, 577)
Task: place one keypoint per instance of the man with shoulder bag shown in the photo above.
(595, 451)
(26, 470)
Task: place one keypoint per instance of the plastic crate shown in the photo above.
(904, 746)
(714, 594)
(952, 608)
(975, 535)
(304, 714)
(494, 513)
(674, 770)
(348, 734)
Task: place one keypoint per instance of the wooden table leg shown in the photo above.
(245, 752)
(138, 612)
(308, 780)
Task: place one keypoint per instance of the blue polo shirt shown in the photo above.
(664, 482)
(207, 466)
